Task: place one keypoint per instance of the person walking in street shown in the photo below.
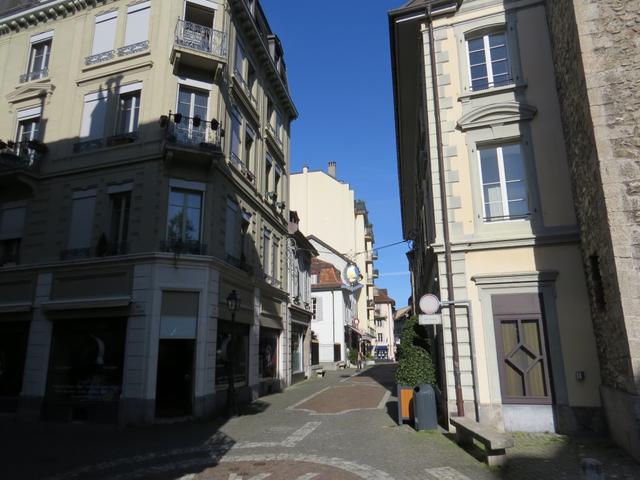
(360, 359)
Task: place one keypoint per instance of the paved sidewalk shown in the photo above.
(337, 427)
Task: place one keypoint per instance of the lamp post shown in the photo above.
(233, 301)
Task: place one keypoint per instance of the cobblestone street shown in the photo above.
(337, 427)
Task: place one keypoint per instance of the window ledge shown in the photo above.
(492, 91)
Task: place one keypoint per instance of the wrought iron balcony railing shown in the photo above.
(100, 57)
(200, 38)
(21, 155)
(189, 247)
(31, 76)
(202, 137)
(120, 52)
(133, 48)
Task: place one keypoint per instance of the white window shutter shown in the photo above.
(104, 35)
(318, 309)
(93, 116)
(81, 222)
(137, 24)
(12, 222)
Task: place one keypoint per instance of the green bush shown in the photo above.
(414, 365)
(352, 355)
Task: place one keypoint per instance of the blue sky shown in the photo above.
(338, 63)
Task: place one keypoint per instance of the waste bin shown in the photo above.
(424, 407)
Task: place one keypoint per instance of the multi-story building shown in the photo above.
(486, 199)
(300, 253)
(597, 69)
(143, 178)
(383, 324)
(329, 211)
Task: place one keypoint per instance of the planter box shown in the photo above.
(405, 403)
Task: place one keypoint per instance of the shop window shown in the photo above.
(268, 351)
(236, 351)
(85, 373)
(297, 348)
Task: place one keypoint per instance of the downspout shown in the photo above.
(445, 218)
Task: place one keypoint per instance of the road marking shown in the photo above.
(446, 473)
(289, 442)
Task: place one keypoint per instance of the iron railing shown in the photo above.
(36, 75)
(73, 253)
(21, 155)
(120, 52)
(245, 87)
(190, 247)
(479, 85)
(133, 48)
(100, 57)
(242, 168)
(201, 137)
(200, 38)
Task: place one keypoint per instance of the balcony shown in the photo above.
(239, 165)
(376, 273)
(272, 281)
(183, 247)
(360, 207)
(21, 156)
(37, 75)
(198, 46)
(113, 54)
(193, 139)
(274, 138)
(372, 255)
(368, 231)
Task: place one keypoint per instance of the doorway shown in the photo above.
(174, 386)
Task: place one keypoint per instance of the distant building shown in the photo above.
(483, 132)
(330, 212)
(400, 316)
(334, 307)
(383, 346)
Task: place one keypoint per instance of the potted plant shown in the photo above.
(414, 368)
(352, 355)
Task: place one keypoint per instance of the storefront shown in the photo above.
(84, 381)
(232, 349)
(297, 352)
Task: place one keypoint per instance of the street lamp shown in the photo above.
(233, 301)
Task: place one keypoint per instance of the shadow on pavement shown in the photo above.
(383, 375)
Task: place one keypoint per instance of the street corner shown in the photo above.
(287, 467)
(344, 398)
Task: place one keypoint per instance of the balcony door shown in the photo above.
(192, 103)
(197, 28)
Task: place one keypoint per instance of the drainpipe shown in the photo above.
(445, 218)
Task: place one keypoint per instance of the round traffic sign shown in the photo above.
(429, 304)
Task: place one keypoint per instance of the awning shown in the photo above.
(381, 347)
(86, 303)
(270, 322)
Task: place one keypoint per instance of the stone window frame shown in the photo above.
(503, 21)
(544, 284)
(497, 135)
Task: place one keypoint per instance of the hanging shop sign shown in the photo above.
(351, 276)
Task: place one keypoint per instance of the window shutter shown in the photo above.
(81, 221)
(179, 314)
(137, 24)
(93, 116)
(104, 34)
(12, 222)
(318, 309)
(232, 230)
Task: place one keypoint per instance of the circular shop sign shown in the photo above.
(429, 304)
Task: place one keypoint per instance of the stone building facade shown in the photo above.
(597, 62)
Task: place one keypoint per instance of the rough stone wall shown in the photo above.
(596, 47)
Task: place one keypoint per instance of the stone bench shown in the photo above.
(319, 371)
(342, 365)
(495, 443)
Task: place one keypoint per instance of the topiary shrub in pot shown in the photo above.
(414, 368)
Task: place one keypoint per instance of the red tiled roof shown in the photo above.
(328, 275)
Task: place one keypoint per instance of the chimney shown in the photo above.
(305, 169)
(332, 169)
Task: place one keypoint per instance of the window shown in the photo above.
(267, 174)
(93, 116)
(276, 183)
(137, 24)
(185, 216)
(82, 216)
(239, 61)
(192, 103)
(233, 236)
(380, 338)
(266, 258)
(249, 151)
(12, 220)
(119, 228)
(128, 112)
(236, 141)
(104, 34)
(297, 349)
(228, 352)
(275, 265)
(268, 352)
(28, 130)
(314, 306)
(39, 56)
(488, 61)
(504, 185)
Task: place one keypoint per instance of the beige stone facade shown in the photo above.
(517, 278)
(329, 211)
(144, 176)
